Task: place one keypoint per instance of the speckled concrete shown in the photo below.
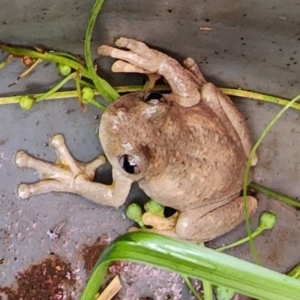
(253, 45)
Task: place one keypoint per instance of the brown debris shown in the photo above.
(90, 254)
(27, 60)
(205, 28)
(51, 279)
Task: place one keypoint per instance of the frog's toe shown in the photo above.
(57, 140)
(121, 66)
(23, 191)
(21, 159)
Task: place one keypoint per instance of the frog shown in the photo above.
(187, 148)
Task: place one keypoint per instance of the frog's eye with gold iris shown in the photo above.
(129, 165)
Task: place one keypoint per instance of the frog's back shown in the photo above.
(200, 164)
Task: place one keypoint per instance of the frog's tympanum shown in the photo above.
(186, 149)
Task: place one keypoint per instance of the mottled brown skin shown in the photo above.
(187, 149)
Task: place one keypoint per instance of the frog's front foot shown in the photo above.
(137, 57)
(60, 176)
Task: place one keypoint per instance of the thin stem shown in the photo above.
(247, 172)
(41, 97)
(20, 51)
(207, 288)
(83, 82)
(72, 94)
(259, 96)
(78, 89)
(96, 103)
(192, 289)
(101, 85)
(241, 241)
(27, 71)
(68, 55)
(6, 61)
(273, 194)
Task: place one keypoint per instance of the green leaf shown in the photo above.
(102, 86)
(196, 262)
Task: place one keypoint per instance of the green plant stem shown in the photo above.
(259, 96)
(73, 94)
(275, 195)
(96, 103)
(41, 97)
(6, 61)
(65, 54)
(239, 242)
(30, 69)
(83, 82)
(78, 89)
(20, 51)
(101, 85)
(207, 288)
(247, 172)
(191, 288)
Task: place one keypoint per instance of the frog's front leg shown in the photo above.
(141, 59)
(71, 176)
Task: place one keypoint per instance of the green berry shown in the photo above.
(26, 102)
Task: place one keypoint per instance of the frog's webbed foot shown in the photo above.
(162, 225)
(60, 176)
(141, 59)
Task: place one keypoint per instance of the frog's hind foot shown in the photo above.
(58, 176)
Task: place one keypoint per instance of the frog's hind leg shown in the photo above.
(231, 118)
(193, 225)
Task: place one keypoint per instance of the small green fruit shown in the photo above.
(26, 102)
(64, 70)
(134, 212)
(155, 208)
(87, 94)
(267, 220)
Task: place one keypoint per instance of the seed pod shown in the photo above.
(64, 69)
(134, 212)
(87, 94)
(155, 208)
(26, 102)
(267, 220)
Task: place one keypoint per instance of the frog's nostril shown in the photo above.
(154, 96)
(128, 164)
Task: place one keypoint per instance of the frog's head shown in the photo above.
(131, 131)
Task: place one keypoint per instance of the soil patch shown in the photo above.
(52, 279)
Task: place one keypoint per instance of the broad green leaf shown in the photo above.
(195, 262)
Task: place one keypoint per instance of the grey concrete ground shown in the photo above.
(253, 45)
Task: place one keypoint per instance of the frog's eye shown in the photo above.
(154, 96)
(128, 163)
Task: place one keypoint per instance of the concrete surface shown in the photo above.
(253, 45)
